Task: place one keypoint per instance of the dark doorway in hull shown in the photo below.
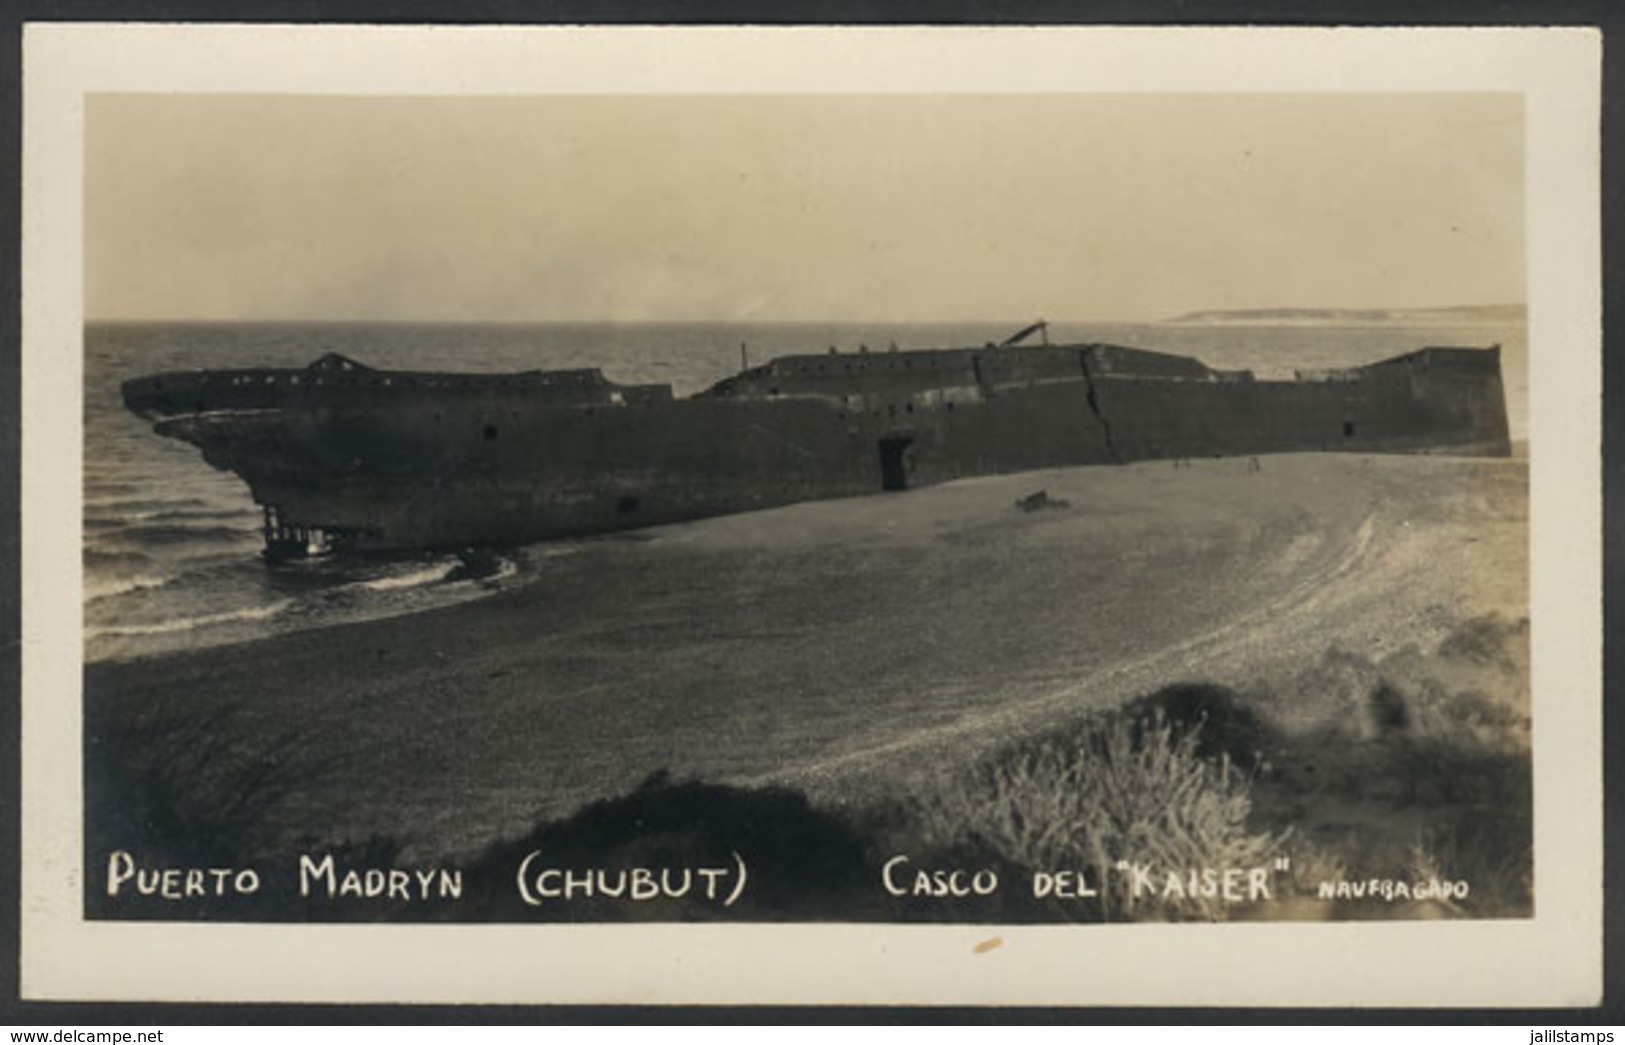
(894, 462)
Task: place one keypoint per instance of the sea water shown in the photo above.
(171, 546)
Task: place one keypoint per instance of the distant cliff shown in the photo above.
(1464, 315)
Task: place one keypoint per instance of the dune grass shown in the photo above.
(1408, 770)
(1411, 767)
(1109, 791)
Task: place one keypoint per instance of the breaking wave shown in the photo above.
(505, 568)
(136, 508)
(208, 620)
(97, 588)
(165, 534)
(428, 575)
(135, 520)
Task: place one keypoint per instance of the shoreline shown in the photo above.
(843, 647)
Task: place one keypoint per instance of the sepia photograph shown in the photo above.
(842, 490)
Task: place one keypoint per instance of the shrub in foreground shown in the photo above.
(1109, 790)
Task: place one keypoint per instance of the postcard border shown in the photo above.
(700, 964)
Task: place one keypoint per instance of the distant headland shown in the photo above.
(1464, 315)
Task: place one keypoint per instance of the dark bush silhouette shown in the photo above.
(1389, 712)
(1220, 718)
(802, 863)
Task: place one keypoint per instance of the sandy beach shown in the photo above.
(845, 648)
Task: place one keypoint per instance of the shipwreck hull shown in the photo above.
(347, 458)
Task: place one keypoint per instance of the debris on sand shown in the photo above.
(1035, 501)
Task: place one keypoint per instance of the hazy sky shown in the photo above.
(797, 207)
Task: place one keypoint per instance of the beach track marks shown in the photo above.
(1307, 604)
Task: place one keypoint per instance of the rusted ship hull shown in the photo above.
(348, 458)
